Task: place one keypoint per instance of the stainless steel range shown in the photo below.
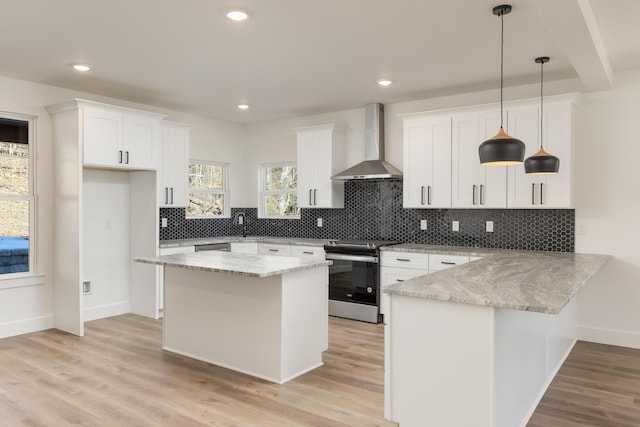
(354, 279)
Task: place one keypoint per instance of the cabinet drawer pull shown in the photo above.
(274, 250)
(400, 280)
(473, 194)
(533, 193)
(448, 263)
(307, 252)
(403, 259)
(481, 194)
(119, 156)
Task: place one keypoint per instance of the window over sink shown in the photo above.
(279, 191)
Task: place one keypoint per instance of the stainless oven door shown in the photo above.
(353, 278)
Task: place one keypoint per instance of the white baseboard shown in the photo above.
(27, 326)
(609, 336)
(108, 310)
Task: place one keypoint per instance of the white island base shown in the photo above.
(451, 364)
(274, 327)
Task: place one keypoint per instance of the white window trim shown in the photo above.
(32, 277)
(262, 192)
(226, 211)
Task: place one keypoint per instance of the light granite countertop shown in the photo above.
(298, 241)
(542, 282)
(447, 250)
(235, 263)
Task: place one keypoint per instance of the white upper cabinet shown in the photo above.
(542, 191)
(427, 161)
(474, 185)
(173, 175)
(320, 155)
(119, 137)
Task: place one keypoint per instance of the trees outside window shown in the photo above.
(279, 190)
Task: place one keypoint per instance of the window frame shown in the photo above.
(263, 192)
(226, 207)
(30, 277)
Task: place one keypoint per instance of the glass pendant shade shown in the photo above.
(501, 150)
(541, 163)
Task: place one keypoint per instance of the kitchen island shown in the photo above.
(478, 344)
(262, 315)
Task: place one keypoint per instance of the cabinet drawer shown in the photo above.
(390, 275)
(440, 262)
(274, 249)
(244, 247)
(311, 252)
(404, 259)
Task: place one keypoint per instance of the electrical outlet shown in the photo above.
(489, 226)
(581, 228)
(86, 287)
(423, 224)
(319, 222)
(455, 225)
(164, 223)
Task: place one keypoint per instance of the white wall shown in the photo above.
(105, 211)
(608, 206)
(30, 308)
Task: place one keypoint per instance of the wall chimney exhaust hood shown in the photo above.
(374, 166)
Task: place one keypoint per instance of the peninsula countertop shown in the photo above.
(251, 265)
(541, 282)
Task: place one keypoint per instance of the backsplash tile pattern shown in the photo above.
(373, 210)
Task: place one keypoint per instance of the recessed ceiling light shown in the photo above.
(82, 67)
(243, 106)
(237, 15)
(384, 82)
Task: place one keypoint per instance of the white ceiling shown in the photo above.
(298, 57)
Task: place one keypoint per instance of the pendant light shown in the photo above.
(502, 149)
(541, 163)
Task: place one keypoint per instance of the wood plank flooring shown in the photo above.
(598, 385)
(117, 375)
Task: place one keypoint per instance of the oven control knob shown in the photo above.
(369, 289)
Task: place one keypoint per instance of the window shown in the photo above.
(16, 196)
(279, 190)
(208, 190)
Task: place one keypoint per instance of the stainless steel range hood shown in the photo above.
(374, 165)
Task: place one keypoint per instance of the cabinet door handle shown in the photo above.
(307, 252)
(400, 280)
(481, 194)
(541, 184)
(403, 259)
(429, 195)
(422, 195)
(473, 194)
(448, 263)
(171, 195)
(310, 196)
(166, 195)
(274, 250)
(315, 200)
(119, 156)
(126, 157)
(533, 193)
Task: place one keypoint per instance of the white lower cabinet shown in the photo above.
(244, 247)
(274, 249)
(309, 252)
(396, 267)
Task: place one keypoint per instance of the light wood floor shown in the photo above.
(117, 375)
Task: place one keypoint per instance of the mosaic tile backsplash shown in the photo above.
(373, 211)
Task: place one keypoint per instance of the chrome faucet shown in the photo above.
(241, 219)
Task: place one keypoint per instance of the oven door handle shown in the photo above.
(358, 258)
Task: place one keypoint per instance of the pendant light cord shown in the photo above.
(541, 103)
(501, 65)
